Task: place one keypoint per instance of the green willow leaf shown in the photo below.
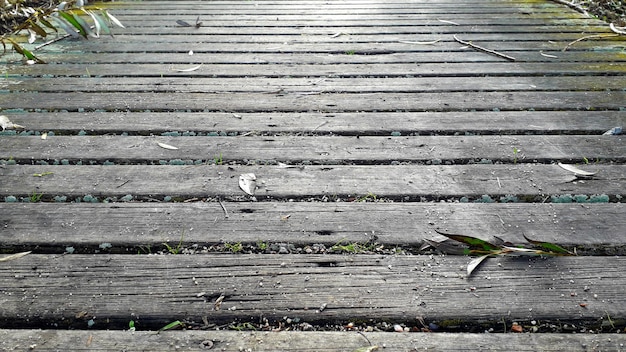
(550, 247)
(26, 53)
(37, 29)
(83, 24)
(170, 326)
(46, 23)
(70, 19)
(476, 244)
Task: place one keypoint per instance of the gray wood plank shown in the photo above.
(593, 229)
(320, 149)
(378, 123)
(325, 102)
(52, 291)
(233, 341)
(529, 182)
(288, 69)
(304, 86)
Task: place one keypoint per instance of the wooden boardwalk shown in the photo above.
(368, 127)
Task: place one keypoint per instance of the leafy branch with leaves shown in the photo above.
(468, 245)
(75, 18)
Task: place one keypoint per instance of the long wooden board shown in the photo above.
(233, 341)
(329, 102)
(342, 123)
(323, 150)
(527, 182)
(593, 229)
(70, 290)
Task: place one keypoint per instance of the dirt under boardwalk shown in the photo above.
(368, 125)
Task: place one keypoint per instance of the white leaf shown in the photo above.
(167, 146)
(548, 55)
(190, 52)
(114, 20)
(96, 23)
(247, 183)
(13, 256)
(32, 36)
(6, 124)
(474, 263)
(575, 170)
(44, 135)
(187, 69)
(448, 22)
(421, 43)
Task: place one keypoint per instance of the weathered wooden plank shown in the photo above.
(322, 149)
(378, 123)
(326, 102)
(233, 341)
(45, 291)
(418, 26)
(184, 37)
(304, 86)
(529, 182)
(457, 56)
(593, 229)
(289, 69)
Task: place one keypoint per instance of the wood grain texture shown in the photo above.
(67, 291)
(342, 123)
(334, 87)
(591, 228)
(233, 341)
(320, 150)
(530, 182)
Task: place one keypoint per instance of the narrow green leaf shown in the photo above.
(37, 29)
(48, 24)
(551, 247)
(476, 244)
(170, 326)
(26, 53)
(70, 19)
(84, 25)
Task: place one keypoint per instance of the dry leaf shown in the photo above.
(13, 256)
(448, 22)
(474, 263)
(44, 136)
(575, 170)
(548, 55)
(247, 183)
(420, 43)
(187, 69)
(167, 146)
(6, 124)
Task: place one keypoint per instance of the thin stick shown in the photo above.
(223, 208)
(52, 41)
(573, 6)
(488, 51)
(589, 37)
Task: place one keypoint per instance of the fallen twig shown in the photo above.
(488, 51)
(590, 37)
(223, 208)
(573, 6)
